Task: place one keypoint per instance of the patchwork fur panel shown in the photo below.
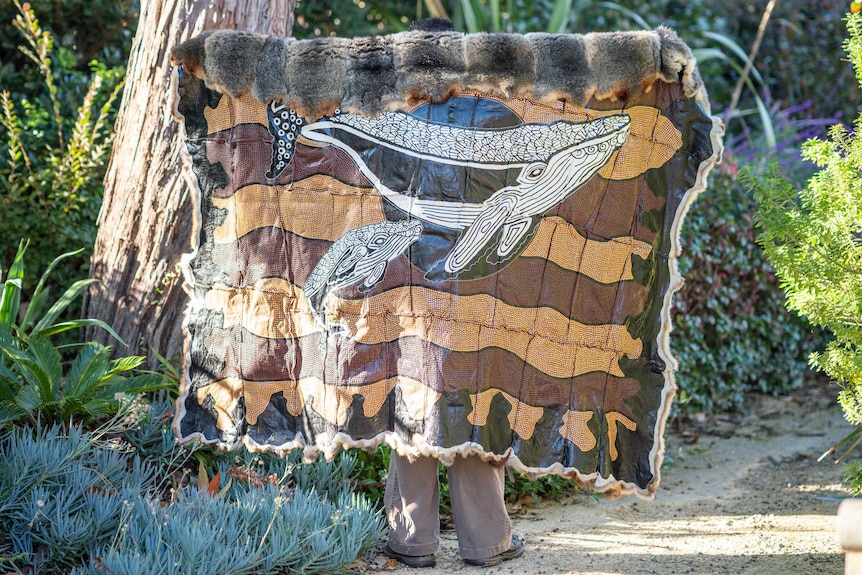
(500, 63)
(429, 65)
(565, 73)
(316, 70)
(270, 78)
(367, 75)
(623, 78)
(371, 78)
(242, 50)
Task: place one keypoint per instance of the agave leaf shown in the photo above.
(762, 111)
(474, 18)
(626, 11)
(766, 122)
(34, 309)
(10, 303)
(731, 45)
(436, 9)
(496, 23)
(704, 54)
(166, 365)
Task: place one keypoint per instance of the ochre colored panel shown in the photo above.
(318, 207)
(231, 112)
(607, 262)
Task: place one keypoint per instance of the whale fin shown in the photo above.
(480, 233)
(374, 275)
(513, 231)
(452, 215)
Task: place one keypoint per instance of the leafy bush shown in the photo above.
(78, 40)
(55, 151)
(732, 334)
(813, 236)
(85, 501)
(45, 384)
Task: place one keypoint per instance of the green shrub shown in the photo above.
(732, 334)
(71, 23)
(813, 236)
(55, 146)
(43, 383)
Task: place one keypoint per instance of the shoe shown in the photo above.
(410, 560)
(514, 550)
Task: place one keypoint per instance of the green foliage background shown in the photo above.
(813, 236)
(57, 110)
(732, 334)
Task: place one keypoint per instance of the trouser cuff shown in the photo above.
(486, 552)
(411, 549)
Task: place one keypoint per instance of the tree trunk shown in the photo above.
(146, 216)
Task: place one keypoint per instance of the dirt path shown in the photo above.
(739, 495)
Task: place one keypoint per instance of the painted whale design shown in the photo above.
(361, 254)
(554, 161)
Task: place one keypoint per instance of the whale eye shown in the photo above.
(378, 240)
(532, 172)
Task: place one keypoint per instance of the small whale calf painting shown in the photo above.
(360, 255)
(445, 243)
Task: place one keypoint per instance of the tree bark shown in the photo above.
(146, 216)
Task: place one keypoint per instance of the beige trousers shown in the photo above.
(412, 502)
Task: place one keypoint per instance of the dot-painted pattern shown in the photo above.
(283, 125)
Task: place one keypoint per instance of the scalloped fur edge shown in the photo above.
(372, 74)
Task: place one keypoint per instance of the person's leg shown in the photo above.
(479, 508)
(412, 500)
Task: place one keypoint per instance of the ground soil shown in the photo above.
(740, 494)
